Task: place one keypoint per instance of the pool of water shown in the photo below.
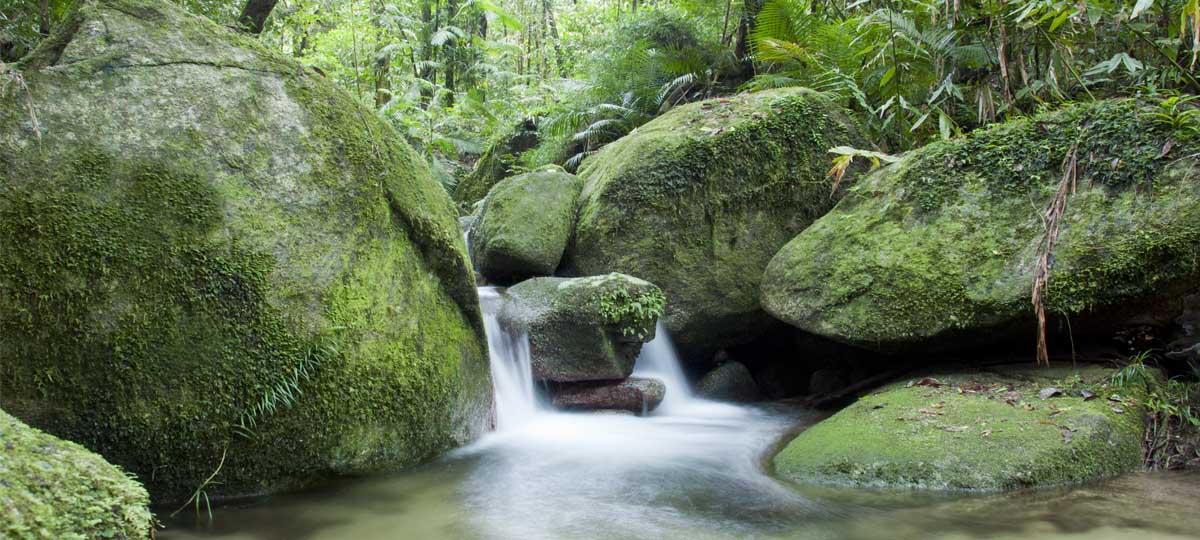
(697, 475)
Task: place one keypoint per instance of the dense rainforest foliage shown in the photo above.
(455, 74)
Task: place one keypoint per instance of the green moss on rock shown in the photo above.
(211, 250)
(943, 244)
(584, 329)
(524, 226)
(986, 430)
(51, 489)
(497, 163)
(698, 200)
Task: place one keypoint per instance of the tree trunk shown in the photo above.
(254, 15)
(44, 17)
(548, 14)
(383, 62)
(741, 47)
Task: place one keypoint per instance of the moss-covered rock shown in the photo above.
(497, 163)
(524, 226)
(942, 246)
(698, 201)
(584, 329)
(988, 430)
(51, 489)
(210, 250)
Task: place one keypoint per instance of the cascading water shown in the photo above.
(512, 374)
(658, 360)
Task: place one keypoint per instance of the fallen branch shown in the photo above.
(1052, 220)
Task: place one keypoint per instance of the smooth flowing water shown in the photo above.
(693, 470)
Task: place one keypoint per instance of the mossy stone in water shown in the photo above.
(940, 249)
(524, 226)
(584, 329)
(987, 430)
(55, 489)
(698, 200)
(211, 250)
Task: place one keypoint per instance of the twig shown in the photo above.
(12, 76)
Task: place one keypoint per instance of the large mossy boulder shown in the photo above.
(991, 430)
(698, 200)
(941, 248)
(584, 329)
(55, 489)
(524, 226)
(497, 163)
(209, 250)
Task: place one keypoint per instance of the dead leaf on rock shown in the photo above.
(1049, 392)
(1087, 394)
(955, 429)
(1117, 409)
(927, 411)
(1066, 433)
(927, 381)
(938, 405)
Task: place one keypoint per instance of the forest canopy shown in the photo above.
(455, 75)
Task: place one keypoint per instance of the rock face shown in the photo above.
(584, 329)
(986, 430)
(51, 488)
(730, 381)
(214, 251)
(496, 163)
(942, 247)
(698, 200)
(635, 395)
(524, 226)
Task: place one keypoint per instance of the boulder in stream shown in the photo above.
(940, 250)
(731, 381)
(698, 200)
(524, 226)
(975, 430)
(584, 329)
(51, 488)
(215, 258)
(635, 395)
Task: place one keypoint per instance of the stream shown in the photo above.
(691, 470)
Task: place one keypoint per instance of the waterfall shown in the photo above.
(659, 360)
(512, 374)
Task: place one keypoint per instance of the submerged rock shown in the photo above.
(974, 431)
(524, 226)
(730, 381)
(210, 250)
(51, 488)
(698, 201)
(634, 395)
(496, 163)
(941, 248)
(584, 329)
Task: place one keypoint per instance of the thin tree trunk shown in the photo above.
(383, 62)
(254, 15)
(44, 17)
(548, 13)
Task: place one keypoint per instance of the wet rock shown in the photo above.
(698, 200)
(209, 238)
(940, 249)
(730, 381)
(524, 226)
(827, 381)
(584, 329)
(635, 395)
(51, 488)
(971, 430)
(496, 163)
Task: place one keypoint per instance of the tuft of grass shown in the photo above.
(1171, 406)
